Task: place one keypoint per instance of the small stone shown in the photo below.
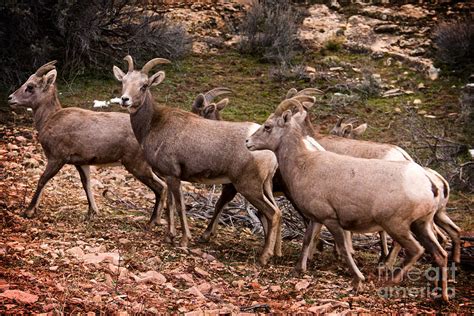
(150, 277)
(417, 101)
(53, 268)
(204, 287)
(76, 252)
(201, 272)
(336, 69)
(20, 296)
(398, 110)
(301, 285)
(422, 112)
(20, 138)
(194, 291)
(310, 69)
(124, 241)
(275, 288)
(421, 86)
(97, 299)
(386, 28)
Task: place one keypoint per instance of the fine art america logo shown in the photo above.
(432, 276)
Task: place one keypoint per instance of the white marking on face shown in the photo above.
(313, 143)
(252, 129)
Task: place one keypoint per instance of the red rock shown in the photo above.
(20, 296)
(301, 285)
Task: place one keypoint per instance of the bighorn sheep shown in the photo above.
(373, 150)
(348, 193)
(183, 146)
(441, 217)
(81, 138)
(362, 149)
(346, 129)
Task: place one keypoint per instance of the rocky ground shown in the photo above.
(59, 263)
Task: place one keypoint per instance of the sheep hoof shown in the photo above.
(183, 242)
(205, 238)
(28, 213)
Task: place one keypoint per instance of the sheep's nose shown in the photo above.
(125, 99)
(10, 97)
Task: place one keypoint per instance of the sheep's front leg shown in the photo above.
(174, 185)
(341, 241)
(312, 231)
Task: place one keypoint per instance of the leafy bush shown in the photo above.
(454, 42)
(269, 31)
(83, 35)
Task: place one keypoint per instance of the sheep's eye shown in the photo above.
(144, 87)
(29, 88)
(267, 128)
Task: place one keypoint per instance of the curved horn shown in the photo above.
(303, 98)
(152, 63)
(291, 93)
(129, 60)
(198, 103)
(309, 91)
(288, 104)
(339, 122)
(46, 68)
(211, 94)
(351, 121)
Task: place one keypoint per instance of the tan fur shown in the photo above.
(183, 146)
(81, 138)
(347, 193)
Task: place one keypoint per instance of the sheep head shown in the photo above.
(346, 129)
(37, 88)
(136, 83)
(204, 106)
(269, 135)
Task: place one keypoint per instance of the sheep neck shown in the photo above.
(46, 109)
(141, 119)
(290, 150)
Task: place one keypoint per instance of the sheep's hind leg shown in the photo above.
(403, 236)
(228, 193)
(442, 220)
(84, 172)
(52, 168)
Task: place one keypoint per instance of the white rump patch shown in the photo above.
(397, 154)
(253, 129)
(416, 183)
(312, 145)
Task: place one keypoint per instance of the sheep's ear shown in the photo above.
(50, 78)
(346, 130)
(198, 103)
(208, 110)
(300, 117)
(308, 105)
(156, 79)
(222, 104)
(285, 118)
(118, 73)
(359, 130)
